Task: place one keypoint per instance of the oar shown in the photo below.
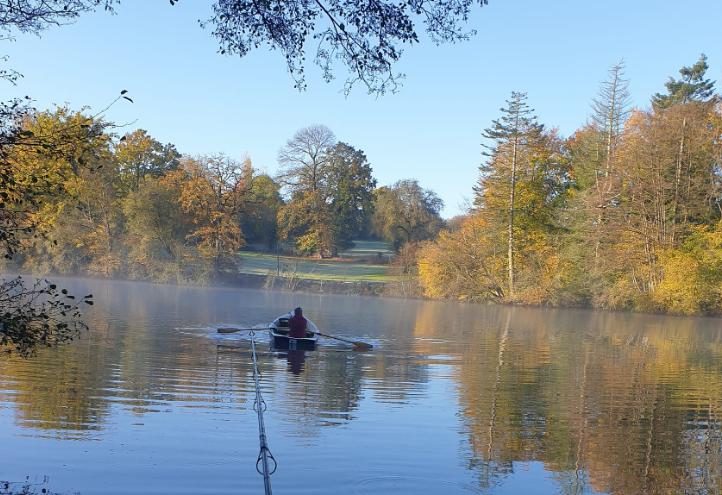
(234, 329)
(361, 346)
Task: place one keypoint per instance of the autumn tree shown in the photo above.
(213, 194)
(330, 191)
(464, 263)
(663, 183)
(138, 155)
(406, 212)
(693, 92)
(157, 228)
(514, 137)
(79, 215)
(305, 162)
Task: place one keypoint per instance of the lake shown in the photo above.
(453, 399)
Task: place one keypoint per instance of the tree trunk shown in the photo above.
(510, 233)
(677, 180)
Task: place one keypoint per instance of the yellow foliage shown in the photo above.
(692, 280)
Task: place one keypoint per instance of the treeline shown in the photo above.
(131, 206)
(624, 214)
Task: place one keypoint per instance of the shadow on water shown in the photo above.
(467, 399)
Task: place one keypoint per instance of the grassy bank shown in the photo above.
(310, 269)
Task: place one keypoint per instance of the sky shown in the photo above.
(186, 93)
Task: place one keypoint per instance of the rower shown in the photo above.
(297, 325)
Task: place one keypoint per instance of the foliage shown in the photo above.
(622, 215)
(691, 87)
(330, 187)
(34, 16)
(362, 36)
(37, 315)
(156, 228)
(406, 212)
(520, 184)
(692, 275)
(258, 220)
(138, 155)
(213, 196)
(350, 193)
(464, 264)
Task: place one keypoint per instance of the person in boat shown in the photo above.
(297, 324)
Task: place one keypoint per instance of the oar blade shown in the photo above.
(229, 330)
(362, 346)
(236, 329)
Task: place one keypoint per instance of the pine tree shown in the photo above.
(691, 87)
(514, 131)
(610, 111)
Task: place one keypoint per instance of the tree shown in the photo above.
(350, 192)
(594, 152)
(463, 264)
(362, 36)
(258, 218)
(305, 158)
(34, 16)
(514, 137)
(331, 187)
(610, 110)
(688, 92)
(406, 212)
(691, 87)
(157, 227)
(26, 323)
(305, 165)
(213, 195)
(35, 163)
(138, 155)
(37, 315)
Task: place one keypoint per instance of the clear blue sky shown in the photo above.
(186, 93)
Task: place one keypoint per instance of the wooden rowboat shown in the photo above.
(279, 335)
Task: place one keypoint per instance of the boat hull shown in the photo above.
(289, 343)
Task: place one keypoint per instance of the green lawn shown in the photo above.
(368, 249)
(306, 268)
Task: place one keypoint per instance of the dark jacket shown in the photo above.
(297, 327)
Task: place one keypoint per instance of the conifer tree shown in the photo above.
(691, 87)
(511, 134)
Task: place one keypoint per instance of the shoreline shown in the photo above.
(332, 287)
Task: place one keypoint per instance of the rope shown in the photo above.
(259, 405)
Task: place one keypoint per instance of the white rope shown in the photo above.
(259, 405)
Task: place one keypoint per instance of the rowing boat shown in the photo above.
(279, 335)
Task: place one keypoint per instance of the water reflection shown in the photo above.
(604, 403)
(296, 360)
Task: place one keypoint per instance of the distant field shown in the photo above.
(368, 249)
(343, 271)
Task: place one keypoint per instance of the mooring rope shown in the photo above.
(259, 405)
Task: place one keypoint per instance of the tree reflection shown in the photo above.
(627, 404)
(615, 403)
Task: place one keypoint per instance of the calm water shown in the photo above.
(453, 399)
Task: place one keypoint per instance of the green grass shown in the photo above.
(305, 268)
(368, 249)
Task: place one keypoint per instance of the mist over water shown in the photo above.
(453, 399)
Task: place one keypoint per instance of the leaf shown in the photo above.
(129, 99)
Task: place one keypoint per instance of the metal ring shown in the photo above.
(269, 456)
